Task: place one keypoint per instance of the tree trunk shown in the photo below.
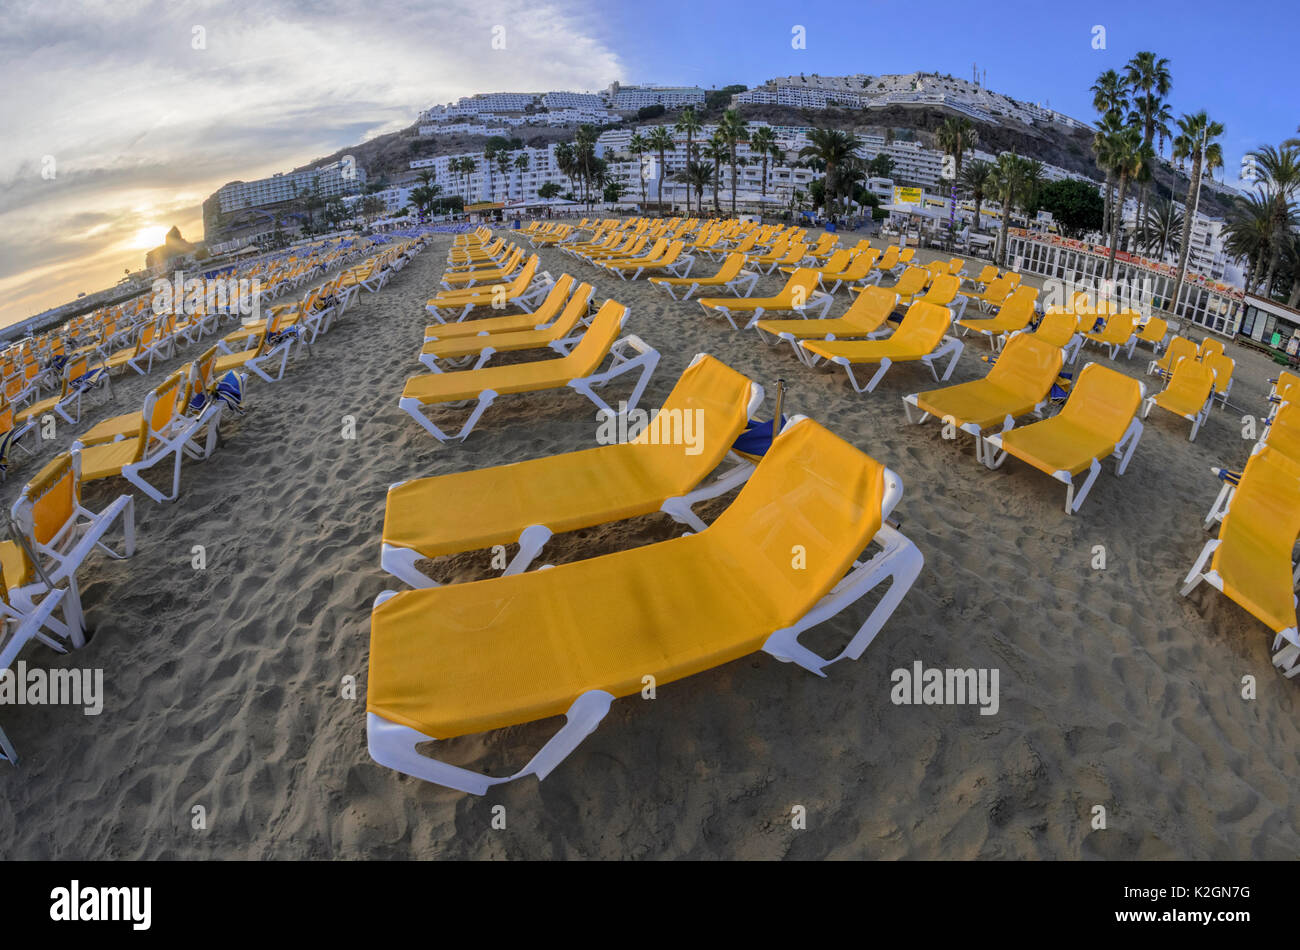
(1115, 226)
(1105, 217)
(662, 168)
(1192, 187)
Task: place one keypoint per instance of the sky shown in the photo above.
(121, 118)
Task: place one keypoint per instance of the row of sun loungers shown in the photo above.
(456, 659)
(52, 533)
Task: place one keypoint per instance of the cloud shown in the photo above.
(146, 107)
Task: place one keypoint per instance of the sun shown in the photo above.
(146, 239)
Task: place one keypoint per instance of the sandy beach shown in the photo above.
(225, 687)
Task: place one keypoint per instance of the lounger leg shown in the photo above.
(872, 383)
(1196, 574)
(413, 407)
(1073, 501)
(899, 562)
(394, 746)
(681, 508)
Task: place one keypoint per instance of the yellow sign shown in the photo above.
(907, 196)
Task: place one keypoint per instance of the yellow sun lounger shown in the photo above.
(523, 291)
(579, 370)
(1061, 328)
(555, 336)
(1178, 348)
(1098, 420)
(469, 658)
(800, 293)
(1020, 382)
(664, 468)
(1189, 393)
(1013, 316)
(921, 336)
(993, 294)
(1250, 560)
(731, 276)
(1119, 333)
(1153, 333)
(546, 311)
(858, 270)
(673, 260)
(866, 316)
(492, 274)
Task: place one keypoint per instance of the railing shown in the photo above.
(1145, 285)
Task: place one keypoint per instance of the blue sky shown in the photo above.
(1239, 66)
(141, 123)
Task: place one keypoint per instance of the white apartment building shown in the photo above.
(631, 98)
(587, 101)
(578, 117)
(339, 178)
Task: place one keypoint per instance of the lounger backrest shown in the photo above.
(871, 309)
(1209, 347)
(943, 290)
(799, 288)
(936, 268)
(586, 357)
(713, 400)
(161, 406)
(923, 326)
(1027, 367)
(1014, 278)
(1179, 347)
(1155, 330)
(1264, 505)
(1080, 301)
(999, 288)
(1193, 379)
(913, 281)
(50, 500)
(988, 274)
(1103, 401)
(1223, 365)
(1018, 309)
(525, 277)
(731, 266)
(809, 510)
(889, 260)
(838, 261)
(955, 265)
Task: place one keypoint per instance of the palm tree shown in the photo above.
(1279, 171)
(565, 164)
(584, 157)
(1128, 154)
(696, 176)
(1148, 78)
(1110, 99)
(1164, 222)
(688, 123)
(1108, 129)
(733, 130)
(637, 146)
(955, 136)
(831, 147)
(1008, 177)
(761, 144)
(522, 164)
(976, 179)
(1196, 139)
(489, 162)
(1248, 233)
(505, 162)
(661, 140)
(715, 150)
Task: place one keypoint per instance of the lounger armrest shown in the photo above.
(900, 562)
(394, 745)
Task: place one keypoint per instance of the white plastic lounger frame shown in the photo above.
(951, 346)
(629, 354)
(899, 562)
(28, 629)
(995, 455)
